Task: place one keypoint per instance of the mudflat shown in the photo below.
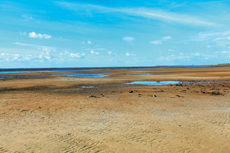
(103, 114)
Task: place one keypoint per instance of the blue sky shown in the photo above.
(89, 33)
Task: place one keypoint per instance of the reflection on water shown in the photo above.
(82, 75)
(156, 83)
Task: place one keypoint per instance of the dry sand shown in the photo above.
(51, 115)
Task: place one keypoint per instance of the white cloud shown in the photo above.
(23, 33)
(109, 52)
(211, 35)
(14, 57)
(41, 36)
(93, 52)
(188, 57)
(223, 38)
(128, 54)
(156, 42)
(171, 50)
(128, 39)
(140, 12)
(47, 57)
(27, 18)
(167, 38)
(89, 42)
(28, 57)
(43, 48)
(75, 55)
(225, 52)
(66, 53)
(205, 3)
(216, 38)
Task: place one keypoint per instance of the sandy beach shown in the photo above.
(102, 114)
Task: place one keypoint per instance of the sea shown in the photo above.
(32, 70)
(10, 73)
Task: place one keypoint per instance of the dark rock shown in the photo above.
(91, 96)
(216, 93)
(130, 91)
(160, 91)
(24, 110)
(178, 95)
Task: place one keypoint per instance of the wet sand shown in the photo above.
(55, 114)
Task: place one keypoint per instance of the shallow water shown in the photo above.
(82, 75)
(144, 73)
(34, 70)
(87, 87)
(44, 76)
(22, 76)
(39, 71)
(156, 83)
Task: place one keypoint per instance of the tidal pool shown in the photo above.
(156, 83)
(144, 73)
(87, 87)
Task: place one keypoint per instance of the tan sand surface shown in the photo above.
(54, 114)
